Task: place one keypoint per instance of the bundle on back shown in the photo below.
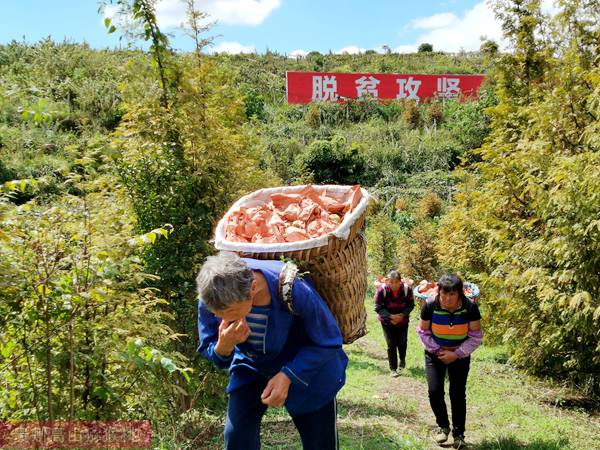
(320, 228)
(292, 217)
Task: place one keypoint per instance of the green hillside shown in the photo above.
(115, 166)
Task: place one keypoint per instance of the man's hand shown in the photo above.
(447, 356)
(395, 319)
(231, 334)
(276, 391)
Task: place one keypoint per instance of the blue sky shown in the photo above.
(286, 26)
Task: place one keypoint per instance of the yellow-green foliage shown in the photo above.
(417, 253)
(430, 205)
(187, 164)
(401, 204)
(532, 217)
(71, 298)
(382, 238)
(313, 116)
(412, 114)
(435, 113)
(461, 239)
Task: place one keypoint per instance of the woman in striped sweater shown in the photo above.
(450, 330)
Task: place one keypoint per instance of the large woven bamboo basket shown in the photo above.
(336, 262)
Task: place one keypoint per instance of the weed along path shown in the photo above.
(505, 409)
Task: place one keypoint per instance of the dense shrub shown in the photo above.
(255, 104)
(334, 114)
(411, 114)
(74, 311)
(434, 113)
(332, 161)
(414, 152)
(417, 253)
(313, 116)
(390, 110)
(280, 156)
(183, 167)
(6, 174)
(430, 206)
(401, 204)
(425, 48)
(81, 81)
(382, 240)
(404, 219)
(468, 121)
(362, 109)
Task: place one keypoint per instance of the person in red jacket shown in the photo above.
(393, 303)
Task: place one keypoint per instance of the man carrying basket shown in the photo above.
(283, 347)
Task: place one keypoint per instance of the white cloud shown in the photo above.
(113, 13)
(171, 13)
(454, 33)
(241, 12)
(450, 33)
(405, 49)
(351, 50)
(435, 21)
(549, 7)
(110, 11)
(298, 53)
(233, 48)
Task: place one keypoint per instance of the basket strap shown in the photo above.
(287, 276)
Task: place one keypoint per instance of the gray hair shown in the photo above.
(224, 280)
(394, 275)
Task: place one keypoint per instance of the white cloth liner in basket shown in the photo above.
(262, 196)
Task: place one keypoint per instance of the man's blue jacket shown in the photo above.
(306, 346)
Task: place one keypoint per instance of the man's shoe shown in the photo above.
(402, 364)
(459, 442)
(440, 435)
(394, 373)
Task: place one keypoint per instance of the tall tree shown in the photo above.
(526, 221)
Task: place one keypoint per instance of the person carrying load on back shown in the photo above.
(450, 330)
(280, 342)
(393, 303)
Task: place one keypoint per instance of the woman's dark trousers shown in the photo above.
(395, 338)
(457, 374)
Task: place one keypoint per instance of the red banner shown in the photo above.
(306, 87)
